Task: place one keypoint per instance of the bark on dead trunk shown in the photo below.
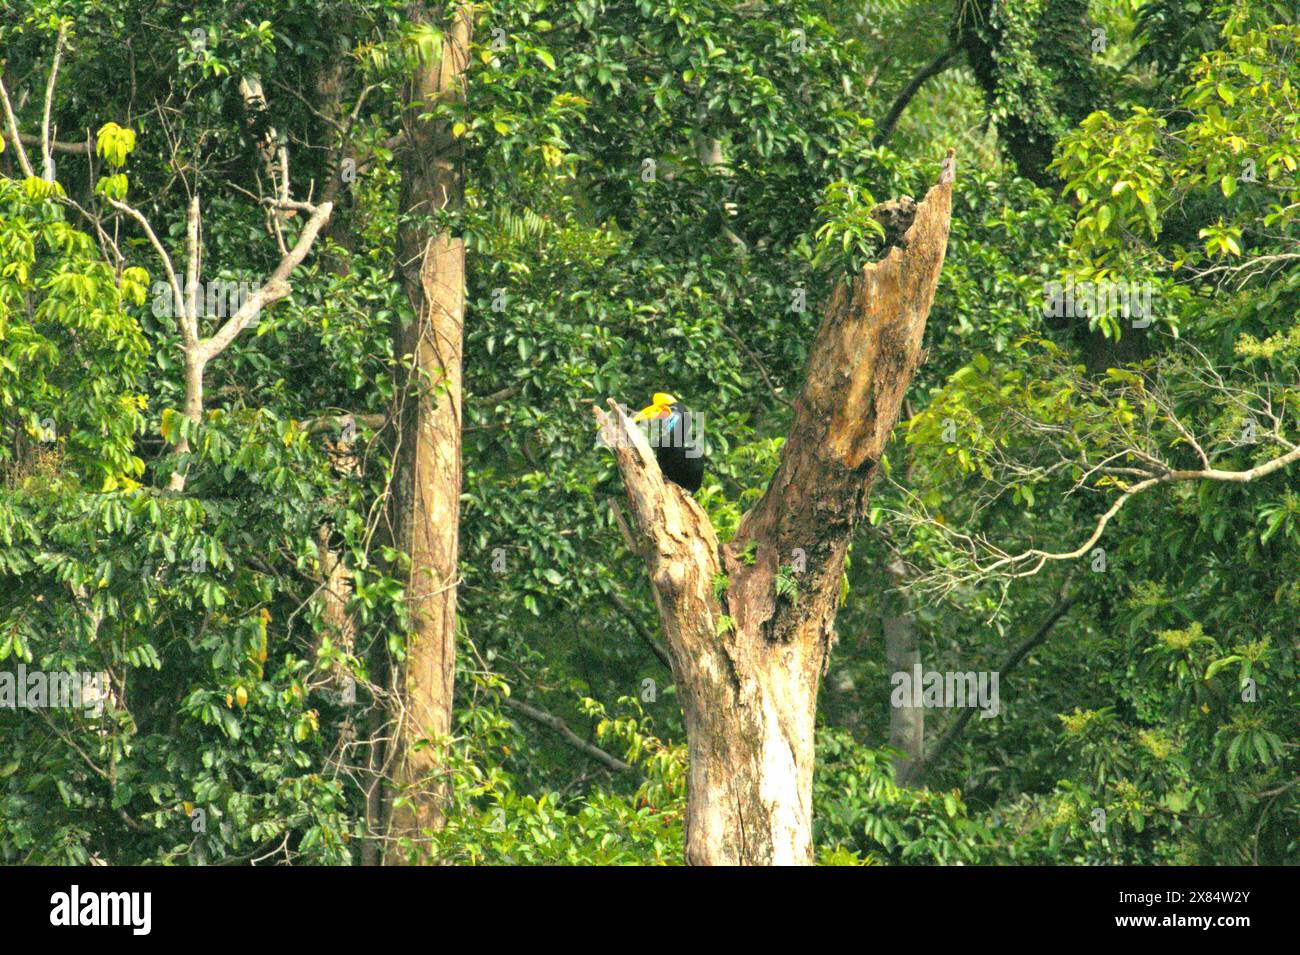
(748, 660)
(425, 498)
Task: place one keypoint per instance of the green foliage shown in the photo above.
(849, 236)
(609, 254)
(493, 822)
(858, 808)
(62, 309)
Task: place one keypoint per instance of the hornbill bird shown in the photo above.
(676, 436)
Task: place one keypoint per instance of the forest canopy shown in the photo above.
(649, 432)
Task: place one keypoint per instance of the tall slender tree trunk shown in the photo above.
(749, 663)
(425, 497)
(903, 655)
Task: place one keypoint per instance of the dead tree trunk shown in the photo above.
(425, 500)
(749, 664)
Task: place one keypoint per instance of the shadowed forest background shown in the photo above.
(364, 590)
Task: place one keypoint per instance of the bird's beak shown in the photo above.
(650, 411)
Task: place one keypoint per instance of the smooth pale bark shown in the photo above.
(903, 655)
(748, 666)
(193, 407)
(425, 498)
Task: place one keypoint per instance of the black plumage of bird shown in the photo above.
(675, 436)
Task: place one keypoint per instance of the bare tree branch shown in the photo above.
(629, 614)
(1063, 604)
(178, 293)
(56, 145)
(12, 122)
(1136, 453)
(1037, 558)
(274, 289)
(552, 722)
(933, 68)
(47, 161)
